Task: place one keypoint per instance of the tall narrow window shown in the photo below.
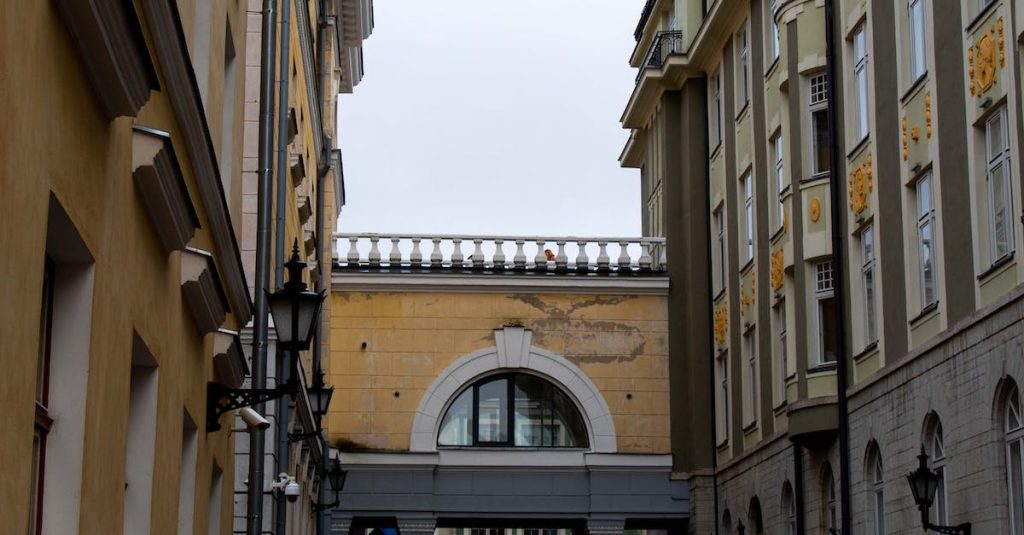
(936, 450)
(1000, 198)
(214, 514)
(825, 309)
(743, 63)
(227, 142)
(867, 275)
(43, 421)
(860, 79)
(819, 124)
(719, 249)
(779, 214)
(747, 187)
(140, 451)
(925, 240)
(1015, 460)
(915, 11)
(723, 397)
(772, 8)
(830, 520)
(751, 406)
(187, 478)
(716, 81)
(878, 493)
(788, 509)
(781, 364)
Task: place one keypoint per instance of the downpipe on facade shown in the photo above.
(838, 268)
(324, 267)
(254, 513)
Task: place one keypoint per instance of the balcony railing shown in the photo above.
(500, 253)
(644, 15)
(664, 45)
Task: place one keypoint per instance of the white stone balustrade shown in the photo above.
(496, 253)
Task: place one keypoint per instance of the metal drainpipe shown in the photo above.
(711, 321)
(838, 267)
(282, 460)
(254, 520)
(321, 175)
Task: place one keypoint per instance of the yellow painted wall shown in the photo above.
(620, 342)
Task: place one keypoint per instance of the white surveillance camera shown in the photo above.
(291, 491)
(253, 419)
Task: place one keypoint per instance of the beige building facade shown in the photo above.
(729, 126)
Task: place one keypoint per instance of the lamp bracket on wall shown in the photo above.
(221, 399)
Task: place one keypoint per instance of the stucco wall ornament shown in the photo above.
(906, 150)
(721, 324)
(861, 185)
(777, 270)
(928, 114)
(815, 209)
(984, 62)
(1002, 43)
(748, 299)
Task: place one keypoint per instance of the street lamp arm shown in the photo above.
(221, 399)
(960, 529)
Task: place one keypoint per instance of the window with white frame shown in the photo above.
(1015, 459)
(877, 490)
(747, 245)
(830, 516)
(937, 452)
(743, 64)
(781, 359)
(750, 407)
(916, 29)
(818, 106)
(719, 253)
(774, 44)
(716, 96)
(722, 416)
(868, 284)
(926, 240)
(1000, 196)
(860, 80)
(779, 214)
(982, 4)
(826, 341)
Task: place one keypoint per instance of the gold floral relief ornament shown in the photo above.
(860, 185)
(748, 299)
(1002, 43)
(985, 61)
(815, 209)
(906, 150)
(721, 324)
(928, 114)
(777, 270)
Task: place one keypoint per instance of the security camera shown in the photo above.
(291, 491)
(253, 419)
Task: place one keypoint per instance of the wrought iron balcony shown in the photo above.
(644, 15)
(663, 45)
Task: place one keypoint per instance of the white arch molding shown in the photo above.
(513, 351)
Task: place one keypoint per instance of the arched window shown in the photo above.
(933, 446)
(1014, 426)
(788, 509)
(829, 517)
(513, 410)
(726, 522)
(754, 520)
(874, 475)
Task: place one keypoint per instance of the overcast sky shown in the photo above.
(492, 117)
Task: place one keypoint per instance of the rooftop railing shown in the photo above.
(663, 45)
(500, 253)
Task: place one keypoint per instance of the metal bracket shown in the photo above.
(318, 507)
(221, 399)
(295, 437)
(961, 529)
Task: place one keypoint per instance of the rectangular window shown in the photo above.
(723, 397)
(719, 249)
(187, 478)
(43, 421)
(781, 358)
(825, 313)
(716, 91)
(750, 346)
(915, 10)
(1000, 201)
(743, 63)
(860, 79)
(867, 274)
(214, 514)
(772, 8)
(821, 157)
(925, 240)
(779, 214)
(747, 187)
(140, 450)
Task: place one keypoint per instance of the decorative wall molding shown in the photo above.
(162, 188)
(108, 38)
(168, 40)
(201, 289)
(229, 362)
(512, 351)
(508, 282)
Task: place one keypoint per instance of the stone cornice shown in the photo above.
(457, 282)
(162, 188)
(183, 92)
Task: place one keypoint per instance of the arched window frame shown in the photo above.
(830, 510)
(1013, 427)
(583, 439)
(788, 507)
(726, 522)
(934, 446)
(875, 477)
(755, 518)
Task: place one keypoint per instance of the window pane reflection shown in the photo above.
(492, 422)
(457, 427)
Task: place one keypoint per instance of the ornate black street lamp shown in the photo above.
(319, 399)
(336, 477)
(923, 484)
(295, 310)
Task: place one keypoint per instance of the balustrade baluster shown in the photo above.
(395, 258)
(499, 254)
(457, 256)
(540, 262)
(602, 256)
(623, 255)
(645, 255)
(416, 257)
(436, 260)
(561, 260)
(353, 251)
(663, 257)
(477, 258)
(374, 252)
(519, 260)
(582, 262)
